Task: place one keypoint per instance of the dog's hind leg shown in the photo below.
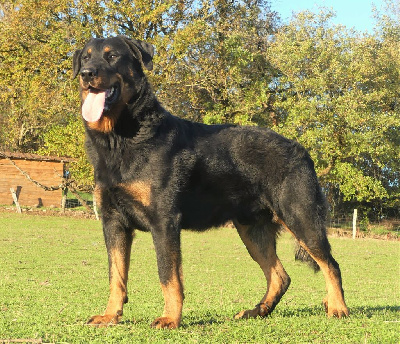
(303, 215)
(319, 250)
(260, 241)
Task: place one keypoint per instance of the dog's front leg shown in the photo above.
(167, 244)
(119, 242)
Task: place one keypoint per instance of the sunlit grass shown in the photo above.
(54, 277)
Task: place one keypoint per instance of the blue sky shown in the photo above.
(351, 13)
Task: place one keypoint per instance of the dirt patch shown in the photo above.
(337, 232)
(50, 212)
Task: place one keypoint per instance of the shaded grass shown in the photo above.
(54, 277)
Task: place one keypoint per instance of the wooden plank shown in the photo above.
(45, 172)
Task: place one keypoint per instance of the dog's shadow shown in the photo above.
(370, 311)
(186, 323)
(317, 310)
(215, 319)
(207, 321)
(360, 311)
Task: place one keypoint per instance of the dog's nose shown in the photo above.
(88, 74)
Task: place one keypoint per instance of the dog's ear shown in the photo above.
(76, 63)
(142, 50)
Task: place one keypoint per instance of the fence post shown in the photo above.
(15, 198)
(354, 223)
(64, 199)
(95, 206)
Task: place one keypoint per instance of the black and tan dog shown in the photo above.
(159, 173)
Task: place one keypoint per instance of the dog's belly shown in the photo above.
(200, 214)
(202, 210)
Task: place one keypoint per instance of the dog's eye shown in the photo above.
(112, 56)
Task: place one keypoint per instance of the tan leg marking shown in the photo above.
(97, 195)
(118, 291)
(173, 301)
(277, 279)
(334, 302)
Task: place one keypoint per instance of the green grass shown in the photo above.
(54, 277)
(382, 231)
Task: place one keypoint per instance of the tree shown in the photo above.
(209, 63)
(214, 69)
(39, 102)
(338, 94)
(218, 61)
(70, 140)
(35, 50)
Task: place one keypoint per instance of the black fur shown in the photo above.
(158, 173)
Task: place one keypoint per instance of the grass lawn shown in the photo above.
(54, 277)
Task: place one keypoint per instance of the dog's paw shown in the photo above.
(261, 310)
(104, 320)
(164, 322)
(335, 309)
(248, 314)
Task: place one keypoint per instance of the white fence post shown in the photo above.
(15, 198)
(95, 206)
(354, 223)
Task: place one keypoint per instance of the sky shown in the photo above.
(351, 13)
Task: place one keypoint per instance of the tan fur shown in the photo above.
(173, 300)
(97, 195)
(273, 271)
(108, 120)
(140, 191)
(118, 290)
(334, 302)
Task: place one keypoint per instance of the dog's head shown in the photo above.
(110, 76)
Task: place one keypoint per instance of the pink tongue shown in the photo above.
(93, 106)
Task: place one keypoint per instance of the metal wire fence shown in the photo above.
(85, 202)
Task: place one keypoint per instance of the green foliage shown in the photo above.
(54, 277)
(35, 86)
(214, 68)
(335, 90)
(338, 95)
(353, 183)
(69, 138)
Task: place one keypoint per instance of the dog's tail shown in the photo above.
(302, 255)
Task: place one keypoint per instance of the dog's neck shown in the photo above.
(138, 120)
(144, 113)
